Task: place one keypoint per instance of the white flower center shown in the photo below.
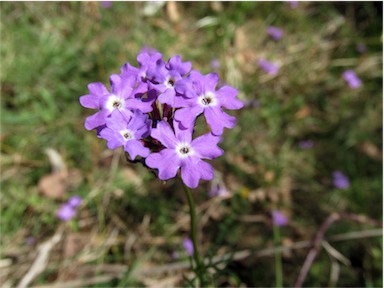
(207, 99)
(170, 82)
(127, 134)
(184, 150)
(114, 102)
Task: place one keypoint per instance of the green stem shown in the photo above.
(196, 256)
(278, 261)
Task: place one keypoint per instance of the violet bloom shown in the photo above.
(293, 4)
(164, 77)
(306, 144)
(215, 64)
(147, 59)
(217, 190)
(122, 98)
(268, 67)
(278, 218)
(106, 4)
(182, 153)
(75, 201)
(275, 32)
(201, 97)
(188, 246)
(127, 131)
(352, 79)
(66, 212)
(340, 181)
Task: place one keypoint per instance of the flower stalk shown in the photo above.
(199, 267)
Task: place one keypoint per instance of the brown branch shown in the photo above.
(319, 237)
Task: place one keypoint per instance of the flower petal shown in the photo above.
(206, 146)
(190, 172)
(217, 120)
(91, 101)
(95, 120)
(97, 89)
(226, 96)
(134, 148)
(188, 115)
(166, 161)
(164, 133)
(114, 139)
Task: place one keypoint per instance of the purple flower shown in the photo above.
(106, 4)
(188, 246)
(293, 4)
(306, 144)
(66, 212)
(201, 97)
(275, 32)
(122, 98)
(164, 77)
(278, 218)
(147, 59)
(340, 181)
(127, 131)
(352, 79)
(215, 64)
(217, 190)
(181, 152)
(75, 201)
(268, 67)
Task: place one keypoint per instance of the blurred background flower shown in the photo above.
(340, 180)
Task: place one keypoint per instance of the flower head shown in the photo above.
(151, 109)
(188, 246)
(203, 98)
(75, 201)
(268, 67)
(126, 131)
(306, 144)
(275, 32)
(278, 218)
(352, 79)
(66, 212)
(181, 152)
(340, 181)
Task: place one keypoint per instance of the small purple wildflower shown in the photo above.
(293, 4)
(215, 64)
(66, 212)
(182, 153)
(278, 218)
(75, 201)
(352, 79)
(268, 67)
(202, 98)
(275, 32)
(127, 131)
(30, 240)
(218, 190)
(188, 246)
(164, 78)
(306, 144)
(340, 181)
(106, 4)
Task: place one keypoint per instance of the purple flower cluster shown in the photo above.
(151, 110)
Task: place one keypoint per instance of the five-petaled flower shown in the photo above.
(181, 152)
